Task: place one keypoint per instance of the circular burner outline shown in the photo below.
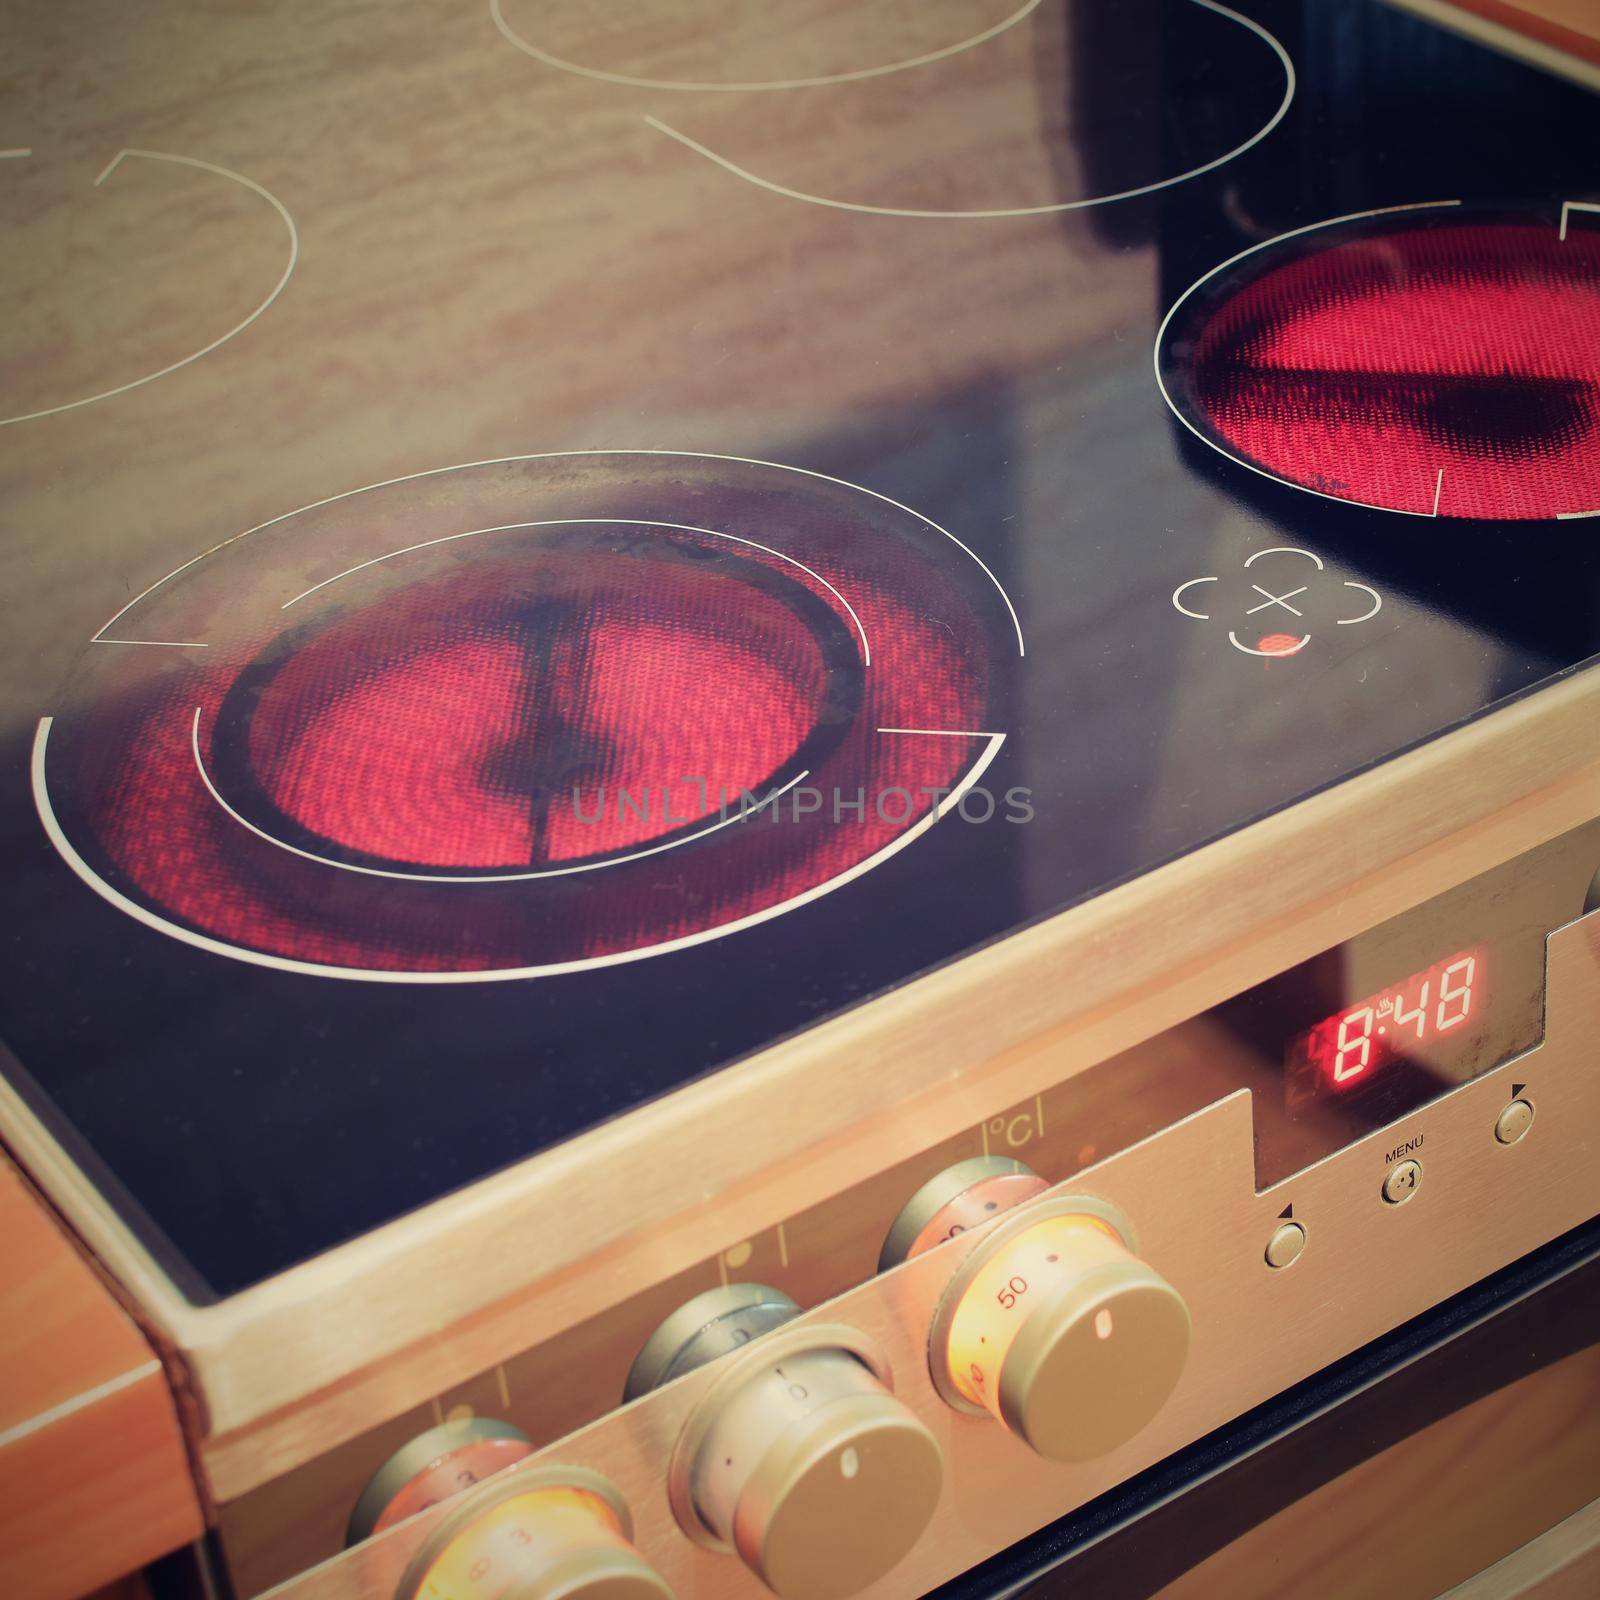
(277, 289)
(201, 941)
(491, 875)
(313, 969)
(1267, 244)
(98, 637)
(1054, 208)
(760, 85)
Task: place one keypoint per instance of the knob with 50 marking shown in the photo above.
(799, 1458)
(1052, 1325)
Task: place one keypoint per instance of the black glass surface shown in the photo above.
(544, 271)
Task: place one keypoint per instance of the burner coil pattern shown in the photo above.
(554, 709)
(1431, 363)
(538, 746)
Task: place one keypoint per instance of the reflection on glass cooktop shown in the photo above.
(551, 550)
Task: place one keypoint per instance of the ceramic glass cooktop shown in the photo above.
(547, 552)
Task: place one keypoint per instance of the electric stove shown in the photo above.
(557, 558)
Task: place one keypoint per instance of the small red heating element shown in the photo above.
(1280, 644)
(1428, 362)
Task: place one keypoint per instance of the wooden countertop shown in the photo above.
(94, 1475)
(1575, 16)
(1558, 35)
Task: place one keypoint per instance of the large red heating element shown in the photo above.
(529, 753)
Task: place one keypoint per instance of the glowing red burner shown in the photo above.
(565, 743)
(549, 710)
(1280, 644)
(1422, 362)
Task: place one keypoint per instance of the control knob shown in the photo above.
(436, 1465)
(799, 1458)
(1051, 1324)
(535, 1533)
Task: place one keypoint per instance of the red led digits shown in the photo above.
(1350, 1048)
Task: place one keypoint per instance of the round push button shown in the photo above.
(1402, 1181)
(1285, 1245)
(1513, 1122)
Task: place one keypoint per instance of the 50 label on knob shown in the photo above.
(1053, 1326)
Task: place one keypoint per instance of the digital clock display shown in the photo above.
(1410, 1020)
(1366, 1032)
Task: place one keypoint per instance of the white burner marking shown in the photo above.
(1271, 655)
(113, 896)
(1199, 616)
(17, 154)
(1438, 491)
(556, 455)
(1277, 599)
(484, 877)
(626, 522)
(1567, 207)
(168, 644)
(1366, 616)
(1055, 207)
(1285, 550)
(200, 941)
(759, 85)
(277, 289)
